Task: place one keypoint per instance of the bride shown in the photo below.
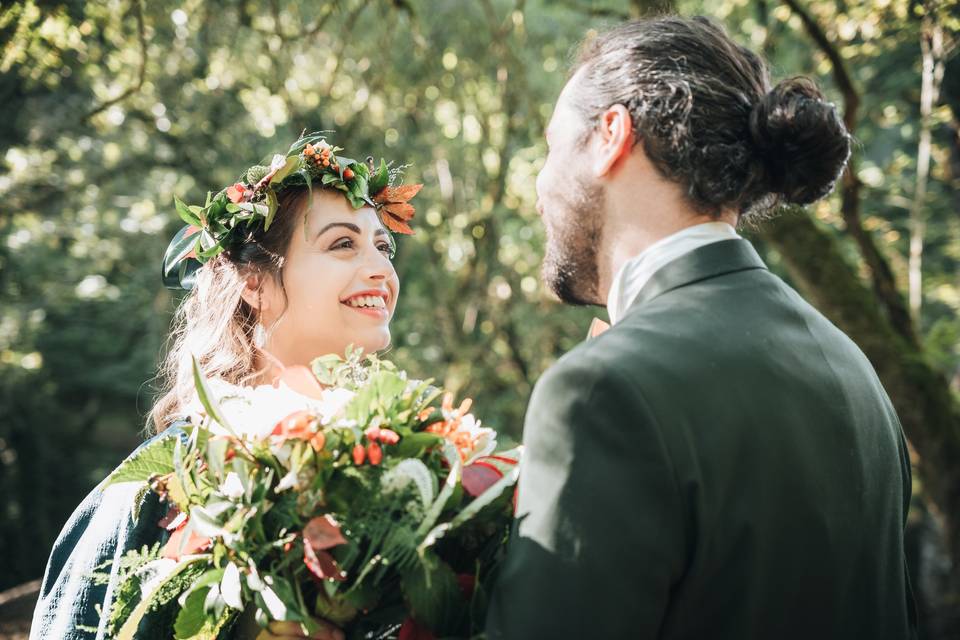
(290, 263)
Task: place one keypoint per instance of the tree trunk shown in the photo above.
(931, 44)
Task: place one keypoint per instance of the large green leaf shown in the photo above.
(471, 510)
(292, 164)
(129, 629)
(272, 206)
(192, 617)
(449, 485)
(155, 458)
(182, 244)
(380, 179)
(434, 596)
(185, 213)
(208, 399)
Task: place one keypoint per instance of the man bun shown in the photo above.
(801, 139)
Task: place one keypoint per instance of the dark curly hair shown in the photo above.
(704, 111)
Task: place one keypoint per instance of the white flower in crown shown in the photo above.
(253, 412)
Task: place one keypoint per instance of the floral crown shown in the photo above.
(231, 216)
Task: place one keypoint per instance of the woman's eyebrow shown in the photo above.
(347, 225)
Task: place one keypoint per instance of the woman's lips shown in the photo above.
(368, 311)
(370, 302)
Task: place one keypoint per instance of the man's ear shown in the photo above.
(615, 139)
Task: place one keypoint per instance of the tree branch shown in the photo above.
(881, 275)
(141, 72)
(304, 32)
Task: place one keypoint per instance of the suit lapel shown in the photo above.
(710, 261)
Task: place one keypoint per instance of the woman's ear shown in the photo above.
(252, 292)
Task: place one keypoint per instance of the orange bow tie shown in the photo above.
(597, 327)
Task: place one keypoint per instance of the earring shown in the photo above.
(259, 336)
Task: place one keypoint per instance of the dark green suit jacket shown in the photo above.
(722, 463)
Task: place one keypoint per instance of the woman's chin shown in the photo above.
(373, 342)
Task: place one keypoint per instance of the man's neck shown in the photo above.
(626, 241)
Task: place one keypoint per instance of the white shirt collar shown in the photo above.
(638, 270)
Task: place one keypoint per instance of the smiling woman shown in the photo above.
(336, 287)
(290, 263)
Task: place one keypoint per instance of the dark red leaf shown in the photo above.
(322, 565)
(323, 532)
(479, 476)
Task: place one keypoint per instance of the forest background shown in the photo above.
(109, 109)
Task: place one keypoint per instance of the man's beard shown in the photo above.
(570, 266)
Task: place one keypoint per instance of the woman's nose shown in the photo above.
(377, 266)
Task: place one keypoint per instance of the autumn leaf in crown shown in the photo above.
(397, 212)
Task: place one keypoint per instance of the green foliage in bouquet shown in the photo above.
(371, 505)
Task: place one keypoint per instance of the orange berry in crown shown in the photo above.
(348, 174)
(308, 150)
(388, 436)
(374, 453)
(359, 453)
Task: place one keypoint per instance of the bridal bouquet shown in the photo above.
(372, 505)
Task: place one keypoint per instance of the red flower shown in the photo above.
(237, 193)
(299, 425)
(195, 543)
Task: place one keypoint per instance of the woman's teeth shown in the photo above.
(375, 302)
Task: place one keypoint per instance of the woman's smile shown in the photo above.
(370, 302)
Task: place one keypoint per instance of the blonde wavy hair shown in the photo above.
(214, 323)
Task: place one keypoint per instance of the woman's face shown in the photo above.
(341, 288)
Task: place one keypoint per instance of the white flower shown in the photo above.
(288, 481)
(484, 439)
(254, 411)
(333, 403)
(153, 573)
(232, 487)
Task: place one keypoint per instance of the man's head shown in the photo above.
(668, 122)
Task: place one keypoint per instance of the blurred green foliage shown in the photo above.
(108, 109)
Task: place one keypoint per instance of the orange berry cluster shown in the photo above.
(373, 451)
(322, 156)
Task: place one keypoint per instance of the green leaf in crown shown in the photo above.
(251, 204)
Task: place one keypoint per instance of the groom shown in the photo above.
(723, 462)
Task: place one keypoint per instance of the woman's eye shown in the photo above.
(344, 243)
(387, 249)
